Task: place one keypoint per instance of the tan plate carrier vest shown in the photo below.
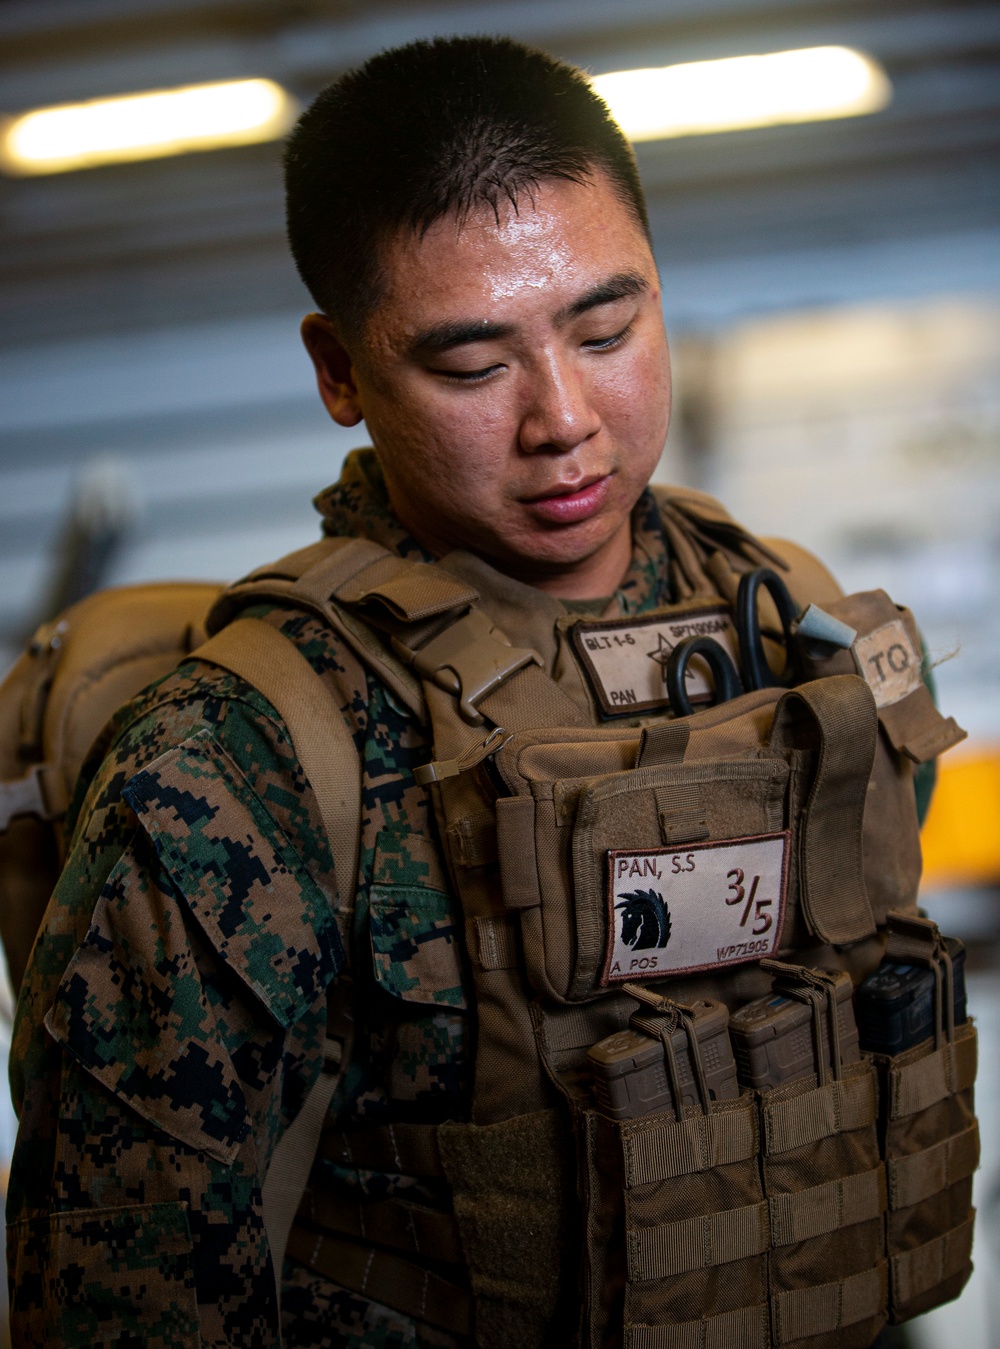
(806, 1216)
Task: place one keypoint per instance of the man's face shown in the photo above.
(515, 381)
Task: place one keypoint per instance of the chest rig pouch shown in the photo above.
(664, 858)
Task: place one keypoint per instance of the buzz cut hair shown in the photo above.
(432, 129)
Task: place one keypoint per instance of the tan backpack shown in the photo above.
(76, 672)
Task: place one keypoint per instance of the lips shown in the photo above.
(571, 504)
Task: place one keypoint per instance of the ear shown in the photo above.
(334, 370)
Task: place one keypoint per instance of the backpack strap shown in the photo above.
(324, 745)
(325, 749)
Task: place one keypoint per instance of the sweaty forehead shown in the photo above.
(541, 252)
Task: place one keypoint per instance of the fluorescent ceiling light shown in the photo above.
(145, 126)
(702, 97)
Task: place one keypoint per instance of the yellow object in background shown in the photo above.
(961, 835)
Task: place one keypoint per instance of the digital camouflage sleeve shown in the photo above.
(174, 1010)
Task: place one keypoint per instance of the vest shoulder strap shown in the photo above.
(438, 636)
(312, 579)
(700, 532)
(325, 749)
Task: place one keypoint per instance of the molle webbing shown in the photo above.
(946, 1259)
(847, 1104)
(408, 1229)
(917, 1086)
(829, 1308)
(661, 1149)
(700, 1242)
(919, 1175)
(835, 1204)
(931, 1137)
(399, 1149)
(746, 1326)
(385, 1278)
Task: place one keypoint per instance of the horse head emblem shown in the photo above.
(645, 920)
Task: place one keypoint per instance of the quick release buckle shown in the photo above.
(469, 659)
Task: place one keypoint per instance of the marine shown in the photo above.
(470, 223)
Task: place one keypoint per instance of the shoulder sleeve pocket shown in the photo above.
(132, 1010)
(132, 1007)
(413, 927)
(240, 876)
(96, 1277)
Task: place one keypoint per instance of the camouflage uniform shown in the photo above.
(173, 1014)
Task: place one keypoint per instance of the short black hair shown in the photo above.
(432, 129)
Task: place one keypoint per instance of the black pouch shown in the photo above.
(930, 1138)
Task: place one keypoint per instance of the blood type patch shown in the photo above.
(699, 907)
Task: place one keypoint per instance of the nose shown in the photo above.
(558, 410)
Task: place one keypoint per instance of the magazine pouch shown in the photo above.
(930, 1139)
(676, 1226)
(824, 1189)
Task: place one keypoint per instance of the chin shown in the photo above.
(552, 556)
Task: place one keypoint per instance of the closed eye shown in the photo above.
(609, 343)
(468, 376)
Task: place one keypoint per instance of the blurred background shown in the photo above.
(831, 288)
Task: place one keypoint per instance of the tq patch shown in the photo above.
(700, 907)
(890, 663)
(625, 659)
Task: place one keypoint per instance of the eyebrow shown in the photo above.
(443, 337)
(621, 286)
